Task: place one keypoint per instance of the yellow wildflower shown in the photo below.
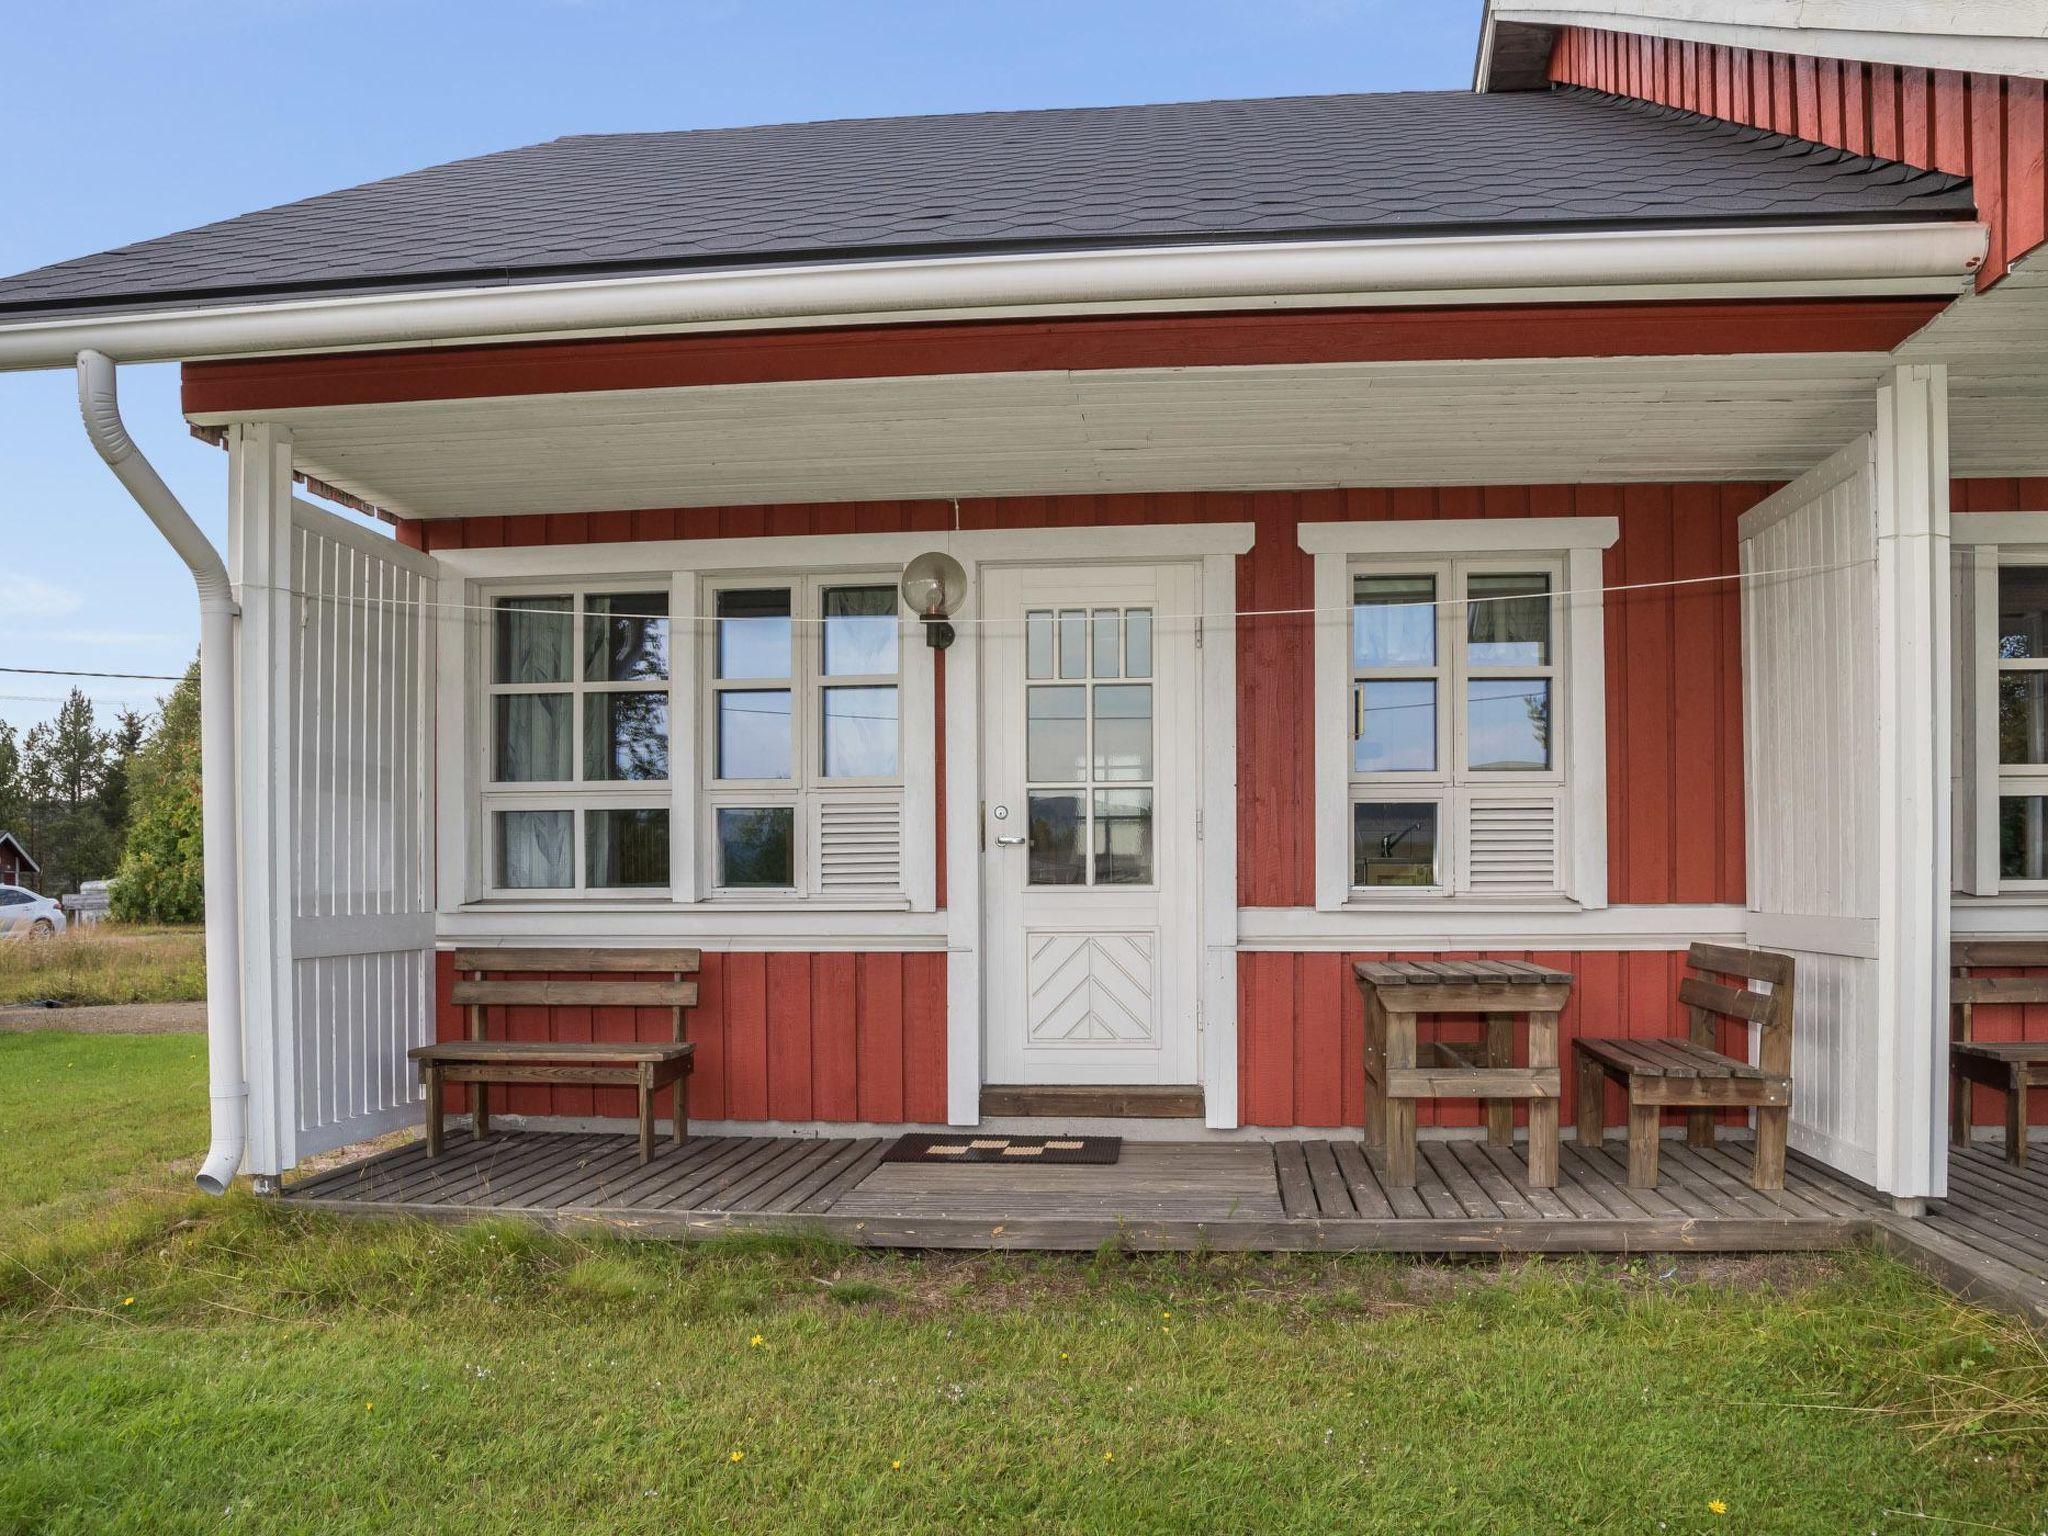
(368, 1406)
(1718, 1506)
(895, 1466)
(127, 1301)
(756, 1342)
(1109, 1455)
(737, 1456)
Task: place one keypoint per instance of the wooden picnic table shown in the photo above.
(1399, 1070)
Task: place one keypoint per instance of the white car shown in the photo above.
(24, 914)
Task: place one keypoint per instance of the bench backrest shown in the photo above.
(676, 993)
(1966, 990)
(1712, 1001)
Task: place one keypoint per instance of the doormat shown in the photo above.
(922, 1148)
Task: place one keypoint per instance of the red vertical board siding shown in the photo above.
(878, 1045)
(1987, 127)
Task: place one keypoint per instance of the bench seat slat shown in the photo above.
(567, 1051)
(575, 994)
(1666, 1058)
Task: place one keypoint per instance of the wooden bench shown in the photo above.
(2009, 1067)
(1693, 1074)
(648, 1066)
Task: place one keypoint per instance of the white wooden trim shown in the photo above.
(2006, 916)
(1974, 772)
(1217, 659)
(581, 925)
(687, 647)
(1460, 536)
(1452, 924)
(458, 713)
(356, 535)
(1585, 687)
(1332, 682)
(963, 866)
(1999, 528)
(1853, 937)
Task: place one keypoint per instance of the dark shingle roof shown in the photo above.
(1284, 168)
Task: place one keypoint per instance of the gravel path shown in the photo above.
(119, 1019)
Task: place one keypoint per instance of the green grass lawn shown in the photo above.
(108, 963)
(169, 1364)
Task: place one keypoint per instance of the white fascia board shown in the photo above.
(1925, 257)
(1998, 528)
(1460, 536)
(1996, 37)
(1454, 923)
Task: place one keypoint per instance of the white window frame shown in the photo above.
(807, 789)
(1984, 544)
(574, 794)
(1571, 550)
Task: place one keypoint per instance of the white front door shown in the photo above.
(1093, 778)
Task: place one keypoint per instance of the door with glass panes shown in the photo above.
(1089, 835)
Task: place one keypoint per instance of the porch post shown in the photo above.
(260, 563)
(1914, 683)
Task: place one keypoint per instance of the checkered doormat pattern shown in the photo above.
(924, 1148)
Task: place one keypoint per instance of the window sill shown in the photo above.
(720, 903)
(1445, 901)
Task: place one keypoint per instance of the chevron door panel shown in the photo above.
(1092, 988)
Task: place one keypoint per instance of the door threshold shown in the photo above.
(1151, 1101)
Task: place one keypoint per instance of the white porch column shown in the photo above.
(260, 562)
(1914, 684)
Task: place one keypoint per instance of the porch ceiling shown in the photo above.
(1157, 429)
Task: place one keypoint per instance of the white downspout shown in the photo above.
(101, 408)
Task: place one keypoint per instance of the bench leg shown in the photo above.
(1375, 1071)
(1500, 1052)
(1769, 1172)
(682, 1109)
(2016, 1118)
(1542, 1112)
(1960, 1106)
(1401, 1142)
(1592, 1101)
(1643, 1121)
(1699, 1127)
(646, 1112)
(431, 1076)
(480, 1110)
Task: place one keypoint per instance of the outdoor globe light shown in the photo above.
(934, 585)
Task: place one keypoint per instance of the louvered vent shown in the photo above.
(1512, 846)
(860, 845)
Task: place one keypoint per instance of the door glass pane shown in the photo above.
(757, 847)
(1123, 837)
(1056, 735)
(753, 633)
(860, 631)
(1073, 643)
(1393, 621)
(531, 734)
(1507, 722)
(535, 850)
(625, 736)
(753, 734)
(2023, 612)
(1123, 731)
(1108, 654)
(860, 733)
(533, 639)
(2023, 717)
(1038, 644)
(2023, 837)
(1394, 726)
(1138, 642)
(1507, 621)
(625, 850)
(1054, 823)
(1393, 842)
(625, 637)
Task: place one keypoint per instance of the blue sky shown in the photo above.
(131, 118)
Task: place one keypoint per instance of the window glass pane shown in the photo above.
(625, 850)
(531, 736)
(1073, 643)
(757, 848)
(625, 736)
(1056, 735)
(1507, 621)
(753, 633)
(1393, 842)
(1393, 621)
(1507, 723)
(860, 631)
(625, 637)
(2023, 717)
(1123, 837)
(860, 733)
(533, 639)
(753, 734)
(1123, 731)
(1108, 653)
(2023, 612)
(1394, 726)
(1138, 642)
(2023, 837)
(1038, 644)
(535, 850)
(1057, 855)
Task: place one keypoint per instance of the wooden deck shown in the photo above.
(1307, 1195)
(1988, 1240)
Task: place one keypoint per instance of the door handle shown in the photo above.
(1009, 842)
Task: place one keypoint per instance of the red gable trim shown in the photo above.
(1991, 128)
(1675, 329)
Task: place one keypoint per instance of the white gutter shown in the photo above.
(1930, 258)
(101, 408)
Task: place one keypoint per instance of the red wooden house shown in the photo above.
(16, 867)
(1564, 520)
